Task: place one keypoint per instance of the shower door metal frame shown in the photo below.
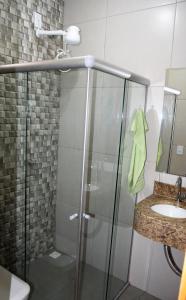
(80, 62)
(117, 190)
(89, 62)
(82, 214)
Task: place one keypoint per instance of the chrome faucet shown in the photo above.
(180, 196)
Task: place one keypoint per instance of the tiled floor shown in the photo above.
(133, 293)
(53, 279)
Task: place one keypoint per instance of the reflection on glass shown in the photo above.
(135, 96)
(167, 127)
(171, 155)
(105, 125)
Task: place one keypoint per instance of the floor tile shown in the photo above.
(132, 293)
(146, 296)
(51, 279)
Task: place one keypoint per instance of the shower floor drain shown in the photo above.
(55, 254)
(59, 259)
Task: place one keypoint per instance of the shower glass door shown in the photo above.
(135, 99)
(65, 205)
(107, 103)
(54, 165)
(65, 230)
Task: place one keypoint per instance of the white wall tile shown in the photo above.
(157, 176)
(102, 200)
(168, 178)
(97, 246)
(149, 180)
(66, 230)
(141, 254)
(154, 117)
(127, 201)
(65, 245)
(72, 117)
(89, 242)
(111, 81)
(107, 108)
(135, 96)
(122, 6)
(83, 10)
(141, 41)
(69, 176)
(162, 282)
(102, 234)
(120, 263)
(171, 179)
(92, 39)
(179, 45)
(73, 79)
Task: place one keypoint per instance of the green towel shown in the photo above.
(139, 153)
(160, 152)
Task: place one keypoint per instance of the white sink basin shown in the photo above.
(169, 210)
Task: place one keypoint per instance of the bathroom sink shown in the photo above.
(169, 210)
(158, 218)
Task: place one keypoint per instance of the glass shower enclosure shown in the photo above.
(65, 156)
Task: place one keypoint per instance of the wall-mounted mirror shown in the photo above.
(171, 156)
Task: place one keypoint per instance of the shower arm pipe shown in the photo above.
(171, 262)
(40, 32)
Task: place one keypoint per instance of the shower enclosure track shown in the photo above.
(88, 61)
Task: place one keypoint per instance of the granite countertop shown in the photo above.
(163, 229)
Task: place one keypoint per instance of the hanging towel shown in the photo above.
(139, 153)
(160, 152)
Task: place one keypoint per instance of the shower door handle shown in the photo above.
(88, 216)
(85, 216)
(73, 217)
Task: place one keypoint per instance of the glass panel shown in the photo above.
(135, 95)
(166, 133)
(55, 137)
(105, 125)
(41, 131)
(13, 106)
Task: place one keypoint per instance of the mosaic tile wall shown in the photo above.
(37, 97)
